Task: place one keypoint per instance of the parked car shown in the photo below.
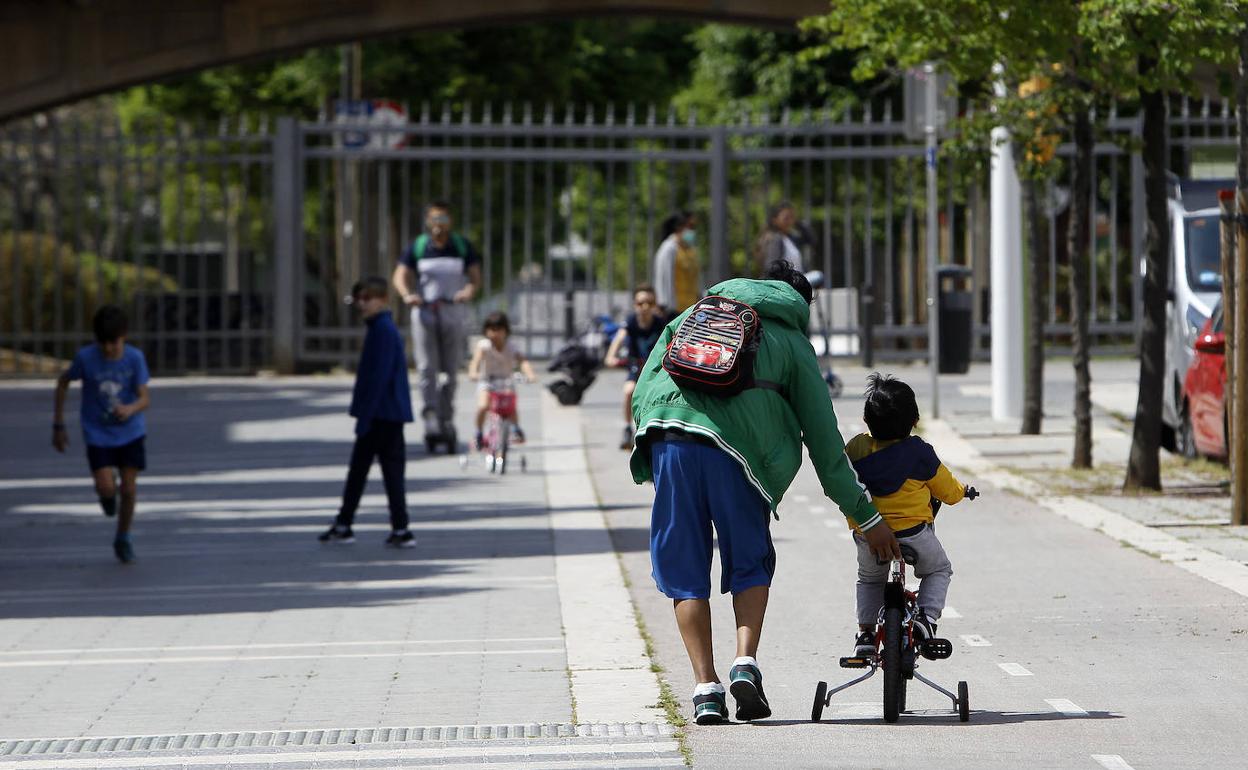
(1195, 285)
(1203, 430)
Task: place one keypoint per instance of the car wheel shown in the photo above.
(1186, 438)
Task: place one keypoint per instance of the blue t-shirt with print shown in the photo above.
(105, 385)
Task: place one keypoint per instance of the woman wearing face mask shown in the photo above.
(781, 238)
(677, 271)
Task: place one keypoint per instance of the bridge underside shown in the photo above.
(63, 50)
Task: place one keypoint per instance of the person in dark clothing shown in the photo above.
(380, 403)
(632, 344)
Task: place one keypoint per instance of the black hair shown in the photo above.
(497, 320)
(783, 270)
(891, 410)
(644, 287)
(110, 323)
(774, 210)
(370, 287)
(437, 204)
(674, 221)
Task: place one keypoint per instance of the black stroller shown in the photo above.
(577, 363)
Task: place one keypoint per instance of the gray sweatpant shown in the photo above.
(931, 566)
(438, 335)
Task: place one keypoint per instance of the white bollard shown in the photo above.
(1007, 282)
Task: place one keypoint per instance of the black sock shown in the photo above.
(109, 504)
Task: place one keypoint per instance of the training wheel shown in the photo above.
(821, 700)
(964, 703)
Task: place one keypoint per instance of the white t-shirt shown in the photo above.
(497, 364)
(792, 253)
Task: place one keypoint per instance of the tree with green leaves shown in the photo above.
(1148, 49)
(1009, 60)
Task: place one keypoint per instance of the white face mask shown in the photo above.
(690, 237)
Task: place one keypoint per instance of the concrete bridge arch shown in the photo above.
(57, 51)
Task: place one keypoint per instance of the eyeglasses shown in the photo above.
(439, 219)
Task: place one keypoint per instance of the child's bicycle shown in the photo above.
(897, 650)
(500, 420)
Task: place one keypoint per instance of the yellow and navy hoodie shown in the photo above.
(902, 476)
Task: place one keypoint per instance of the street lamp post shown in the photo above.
(933, 312)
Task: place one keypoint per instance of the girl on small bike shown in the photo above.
(494, 359)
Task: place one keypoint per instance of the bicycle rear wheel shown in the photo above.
(894, 677)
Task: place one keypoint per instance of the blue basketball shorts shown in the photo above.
(699, 488)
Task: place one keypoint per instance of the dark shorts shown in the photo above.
(132, 455)
(634, 371)
(698, 488)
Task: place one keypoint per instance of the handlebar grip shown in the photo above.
(971, 493)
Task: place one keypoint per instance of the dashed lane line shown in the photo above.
(975, 640)
(949, 613)
(1014, 669)
(1111, 762)
(1063, 706)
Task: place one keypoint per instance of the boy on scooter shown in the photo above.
(904, 476)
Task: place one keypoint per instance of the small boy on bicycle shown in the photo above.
(495, 358)
(904, 476)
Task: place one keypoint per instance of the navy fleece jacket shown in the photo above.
(381, 389)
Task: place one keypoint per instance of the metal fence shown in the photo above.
(232, 249)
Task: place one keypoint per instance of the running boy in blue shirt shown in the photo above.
(632, 344)
(114, 394)
(380, 403)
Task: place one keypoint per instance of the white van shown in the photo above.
(1195, 284)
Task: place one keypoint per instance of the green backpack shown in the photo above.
(422, 242)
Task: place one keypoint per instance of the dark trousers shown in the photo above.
(383, 441)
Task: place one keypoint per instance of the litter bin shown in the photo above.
(956, 317)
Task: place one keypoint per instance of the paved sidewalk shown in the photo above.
(238, 640)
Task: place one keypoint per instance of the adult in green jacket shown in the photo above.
(726, 463)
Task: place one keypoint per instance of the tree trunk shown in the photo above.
(1078, 231)
(1143, 466)
(1033, 383)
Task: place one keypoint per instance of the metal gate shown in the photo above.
(232, 246)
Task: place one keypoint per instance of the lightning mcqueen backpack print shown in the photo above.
(714, 347)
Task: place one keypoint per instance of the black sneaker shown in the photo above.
(710, 709)
(923, 628)
(124, 551)
(626, 441)
(864, 644)
(747, 690)
(404, 539)
(337, 534)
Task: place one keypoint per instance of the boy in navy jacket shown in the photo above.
(380, 403)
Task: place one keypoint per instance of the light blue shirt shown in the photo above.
(105, 385)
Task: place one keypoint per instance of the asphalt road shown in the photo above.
(1079, 652)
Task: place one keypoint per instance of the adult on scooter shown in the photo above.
(448, 274)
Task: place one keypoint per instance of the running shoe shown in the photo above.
(864, 644)
(747, 690)
(404, 539)
(124, 551)
(337, 534)
(710, 708)
(626, 440)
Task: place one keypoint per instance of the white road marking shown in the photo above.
(1014, 669)
(278, 646)
(326, 758)
(819, 509)
(949, 613)
(801, 498)
(1066, 707)
(250, 658)
(975, 640)
(1111, 762)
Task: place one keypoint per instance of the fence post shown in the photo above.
(719, 205)
(287, 229)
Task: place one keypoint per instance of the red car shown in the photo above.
(1204, 406)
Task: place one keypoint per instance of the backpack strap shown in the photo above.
(461, 245)
(772, 386)
(418, 248)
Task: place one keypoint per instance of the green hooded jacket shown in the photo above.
(759, 428)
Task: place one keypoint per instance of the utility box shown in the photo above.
(956, 308)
